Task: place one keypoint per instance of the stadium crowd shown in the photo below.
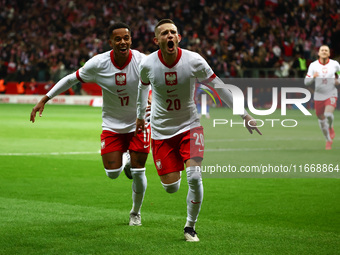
(44, 40)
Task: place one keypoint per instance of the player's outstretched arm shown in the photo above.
(61, 86)
(39, 107)
(251, 124)
(227, 97)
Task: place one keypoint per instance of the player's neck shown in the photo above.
(120, 60)
(324, 61)
(169, 59)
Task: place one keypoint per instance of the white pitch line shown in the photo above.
(49, 153)
(259, 149)
(263, 139)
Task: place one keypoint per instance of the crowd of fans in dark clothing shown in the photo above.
(44, 40)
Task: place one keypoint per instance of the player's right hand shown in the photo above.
(251, 124)
(39, 107)
(140, 125)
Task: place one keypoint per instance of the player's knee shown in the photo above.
(172, 187)
(194, 175)
(113, 173)
(139, 180)
(328, 114)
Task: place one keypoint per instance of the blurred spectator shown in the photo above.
(51, 38)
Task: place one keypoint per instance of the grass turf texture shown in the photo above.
(55, 203)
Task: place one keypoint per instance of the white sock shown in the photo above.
(195, 195)
(139, 184)
(330, 118)
(113, 173)
(325, 128)
(172, 187)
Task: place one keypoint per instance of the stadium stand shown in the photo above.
(45, 40)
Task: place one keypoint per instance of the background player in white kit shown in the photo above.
(177, 136)
(116, 72)
(322, 73)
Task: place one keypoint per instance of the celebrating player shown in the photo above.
(322, 73)
(177, 136)
(116, 72)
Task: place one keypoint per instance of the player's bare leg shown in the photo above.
(112, 162)
(139, 185)
(171, 181)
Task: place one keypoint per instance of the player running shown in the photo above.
(322, 73)
(116, 72)
(177, 136)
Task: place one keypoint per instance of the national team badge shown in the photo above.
(324, 70)
(171, 78)
(120, 79)
(158, 164)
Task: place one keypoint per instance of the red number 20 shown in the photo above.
(173, 105)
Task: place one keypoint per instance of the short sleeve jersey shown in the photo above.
(324, 83)
(119, 86)
(173, 110)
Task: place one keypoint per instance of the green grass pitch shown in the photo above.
(56, 199)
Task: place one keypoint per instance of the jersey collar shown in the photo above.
(126, 63)
(176, 61)
(323, 64)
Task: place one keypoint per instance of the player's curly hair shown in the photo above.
(115, 26)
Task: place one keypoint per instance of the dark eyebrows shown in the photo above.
(173, 31)
(118, 37)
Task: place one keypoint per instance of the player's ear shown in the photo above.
(155, 40)
(179, 37)
(110, 43)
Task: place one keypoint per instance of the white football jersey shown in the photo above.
(119, 86)
(324, 83)
(173, 110)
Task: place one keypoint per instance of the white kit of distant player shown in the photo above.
(322, 73)
(325, 82)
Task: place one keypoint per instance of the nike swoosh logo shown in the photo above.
(200, 150)
(120, 90)
(172, 90)
(195, 203)
(146, 146)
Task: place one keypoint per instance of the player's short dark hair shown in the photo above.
(115, 26)
(164, 21)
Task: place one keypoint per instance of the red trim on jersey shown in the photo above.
(323, 64)
(145, 83)
(78, 77)
(126, 63)
(213, 76)
(176, 61)
(308, 75)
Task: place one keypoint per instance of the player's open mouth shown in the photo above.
(171, 45)
(123, 50)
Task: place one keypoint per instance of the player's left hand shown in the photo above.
(140, 126)
(337, 82)
(250, 123)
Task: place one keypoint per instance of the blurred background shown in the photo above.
(43, 40)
